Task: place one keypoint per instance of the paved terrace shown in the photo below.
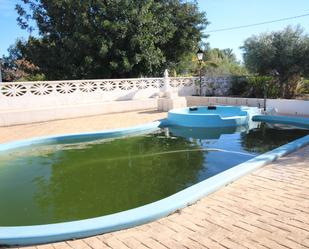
(266, 209)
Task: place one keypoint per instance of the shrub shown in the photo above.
(254, 86)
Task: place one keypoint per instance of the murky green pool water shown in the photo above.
(71, 181)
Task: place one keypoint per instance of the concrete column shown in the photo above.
(166, 87)
(169, 98)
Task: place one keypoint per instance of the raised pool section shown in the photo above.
(212, 116)
(185, 164)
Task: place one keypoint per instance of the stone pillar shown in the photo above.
(169, 98)
(166, 87)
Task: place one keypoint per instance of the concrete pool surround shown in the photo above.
(27, 235)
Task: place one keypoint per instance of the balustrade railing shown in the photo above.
(66, 92)
(43, 88)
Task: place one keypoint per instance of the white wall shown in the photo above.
(26, 102)
(195, 100)
(45, 94)
(26, 116)
(289, 106)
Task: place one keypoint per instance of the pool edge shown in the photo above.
(94, 135)
(29, 235)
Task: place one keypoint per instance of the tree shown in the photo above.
(283, 53)
(109, 39)
(16, 68)
(220, 62)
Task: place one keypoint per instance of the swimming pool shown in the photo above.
(93, 183)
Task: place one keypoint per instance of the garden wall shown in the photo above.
(51, 94)
(195, 101)
(26, 102)
(290, 106)
(216, 86)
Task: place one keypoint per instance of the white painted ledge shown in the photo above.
(32, 115)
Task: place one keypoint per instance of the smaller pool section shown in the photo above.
(212, 116)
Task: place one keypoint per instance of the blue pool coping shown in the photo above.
(296, 121)
(85, 136)
(37, 234)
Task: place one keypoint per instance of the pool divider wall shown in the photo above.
(27, 235)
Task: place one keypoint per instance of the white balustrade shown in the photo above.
(26, 102)
(45, 94)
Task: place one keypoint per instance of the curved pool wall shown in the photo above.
(82, 137)
(222, 116)
(27, 235)
(296, 121)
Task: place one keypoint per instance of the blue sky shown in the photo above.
(230, 13)
(221, 14)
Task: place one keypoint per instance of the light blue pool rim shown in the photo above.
(84, 136)
(27, 235)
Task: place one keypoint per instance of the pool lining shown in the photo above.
(27, 235)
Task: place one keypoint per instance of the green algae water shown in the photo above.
(76, 180)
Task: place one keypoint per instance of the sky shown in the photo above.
(220, 14)
(231, 13)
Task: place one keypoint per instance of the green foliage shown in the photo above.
(261, 85)
(255, 86)
(222, 62)
(284, 52)
(109, 39)
(239, 86)
(306, 86)
(216, 62)
(15, 68)
(303, 87)
(34, 77)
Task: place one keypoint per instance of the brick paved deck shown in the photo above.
(266, 209)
